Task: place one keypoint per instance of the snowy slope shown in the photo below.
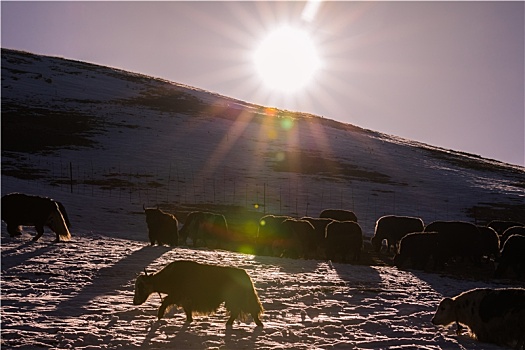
(105, 142)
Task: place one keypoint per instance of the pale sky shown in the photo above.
(450, 74)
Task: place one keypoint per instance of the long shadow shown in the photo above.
(109, 280)
(10, 260)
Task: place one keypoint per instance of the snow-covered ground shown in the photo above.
(78, 295)
(141, 150)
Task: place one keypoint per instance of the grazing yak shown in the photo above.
(344, 238)
(201, 289)
(417, 248)
(163, 228)
(501, 225)
(489, 242)
(514, 230)
(270, 230)
(492, 315)
(297, 240)
(19, 209)
(392, 228)
(319, 225)
(205, 226)
(339, 215)
(512, 255)
(456, 239)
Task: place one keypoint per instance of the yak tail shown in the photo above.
(58, 224)
(250, 303)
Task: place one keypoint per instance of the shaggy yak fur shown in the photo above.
(338, 214)
(163, 228)
(206, 227)
(201, 289)
(492, 315)
(343, 238)
(26, 210)
(392, 228)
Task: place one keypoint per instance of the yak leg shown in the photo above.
(233, 316)
(40, 232)
(168, 301)
(189, 315)
(257, 320)
(14, 230)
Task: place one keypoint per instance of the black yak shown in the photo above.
(27, 210)
(270, 230)
(201, 289)
(392, 228)
(298, 239)
(418, 248)
(206, 227)
(344, 238)
(492, 315)
(489, 242)
(339, 215)
(319, 225)
(512, 255)
(501, 225)
(514, 230)
(456, 239)
(163, 228)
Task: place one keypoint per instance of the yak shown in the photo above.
(338, 214)
(416, 247)
(205, 226)
(201, 289)
(344, 238)
(20, 209)
(514, 230)
(163, 228)
(492, 315)
(456, 239)
(319, 225)
(489, 242)
(501, 225)
(512, 255)
(269, 231)
(392, 228)
(298, 239)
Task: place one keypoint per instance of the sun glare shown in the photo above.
(286, 60)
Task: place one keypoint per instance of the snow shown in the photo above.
(78, 295)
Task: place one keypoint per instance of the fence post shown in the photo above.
(71, 177)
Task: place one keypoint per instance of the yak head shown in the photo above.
(143, 289)
(152, 215)
(445, 313)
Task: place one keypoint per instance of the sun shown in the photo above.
(286, 59)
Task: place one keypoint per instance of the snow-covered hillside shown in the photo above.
(106, 142)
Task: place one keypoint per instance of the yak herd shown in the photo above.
(492, 315)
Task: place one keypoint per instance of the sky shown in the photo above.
(450, 74)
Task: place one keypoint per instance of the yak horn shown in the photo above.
(143, 206)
